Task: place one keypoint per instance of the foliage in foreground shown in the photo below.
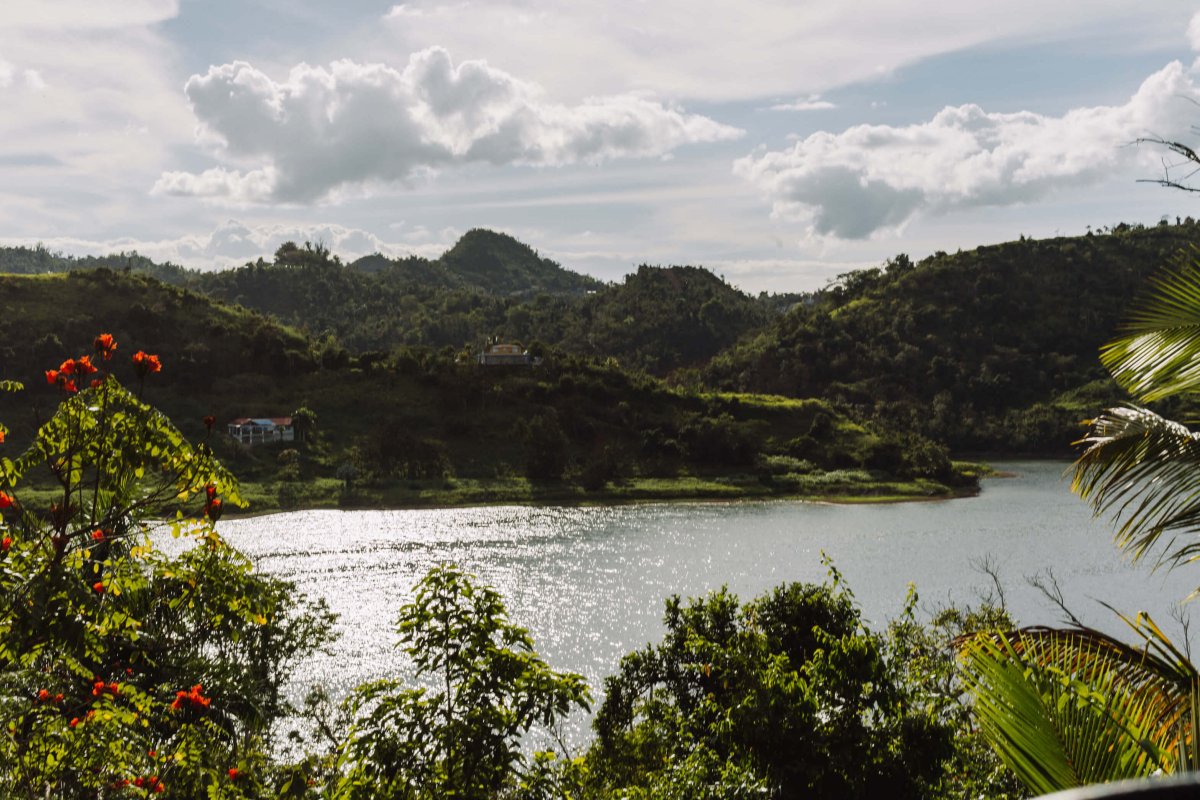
(1069, 707)
(131, 666)
(126, 671)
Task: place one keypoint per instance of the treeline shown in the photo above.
(430, 417)
(988, 350)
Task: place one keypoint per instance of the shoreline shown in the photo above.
(574, 497)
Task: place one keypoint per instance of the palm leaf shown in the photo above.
(1145, 471)
(1069, 707)
(1159, 355)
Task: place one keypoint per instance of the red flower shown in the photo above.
(214, 509)
(1, 437)
(98, 535)
(210, 492)
(105, 345)
(43, 695)
(209, 421)
(96, 383)
(193, 697)
(98, 587)
(152, 753)
(234, 773)
(74, 721)
(61, 377)
(6, 543)
(58, 698)
(6, 501)
(144, 363)
(83, 366)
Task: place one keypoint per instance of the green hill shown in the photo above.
(992, 349)
(661, 319)
(419, 425)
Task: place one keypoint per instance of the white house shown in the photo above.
(258, 430)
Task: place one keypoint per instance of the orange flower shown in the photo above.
(214, 509)
(143, 363)
(234, 773)
(6, 543)
(74, 721)
(52, 376)
(6, 501)
(83, 366)
(98, 535)
(1, 437)
(67, 367)
(43, 695)
(96, 383)
(105, 345)
(193, 697)
(98, 587)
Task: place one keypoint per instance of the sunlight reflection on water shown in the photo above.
(590, 582)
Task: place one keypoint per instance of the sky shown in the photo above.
(779, 143)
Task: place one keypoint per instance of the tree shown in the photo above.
(787, 695)
(304, 420)
(121, 665)
(461, 735)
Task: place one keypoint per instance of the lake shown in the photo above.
(589, 583)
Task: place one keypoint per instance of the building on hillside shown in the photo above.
(495, 355)
(259, 430)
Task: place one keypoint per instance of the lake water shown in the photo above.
(589, 583)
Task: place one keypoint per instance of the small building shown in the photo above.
(259, 430)
(498, 354)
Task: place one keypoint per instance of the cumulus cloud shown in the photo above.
(870, 178)
(350, 125)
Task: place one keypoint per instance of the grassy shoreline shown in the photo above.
(845, 487)
(458, 493)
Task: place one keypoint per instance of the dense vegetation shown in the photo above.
(992, 349)
(417, 425)
(975, 350)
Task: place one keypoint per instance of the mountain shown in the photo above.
(991, 349)
(661, 319)
(498, 263)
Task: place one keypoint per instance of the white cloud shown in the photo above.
(811, 103)
(871, 178)
(723, 50)
(1193, 32)
(351, 126)
(234, 242)
(88, 14)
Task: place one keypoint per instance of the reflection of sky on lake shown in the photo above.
(589, 583)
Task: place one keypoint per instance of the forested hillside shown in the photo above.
(419, 418)
(488, 286)
(991, 349)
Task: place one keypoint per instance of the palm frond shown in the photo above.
(1159, 354)
(1145, 471)
(1069, 707)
